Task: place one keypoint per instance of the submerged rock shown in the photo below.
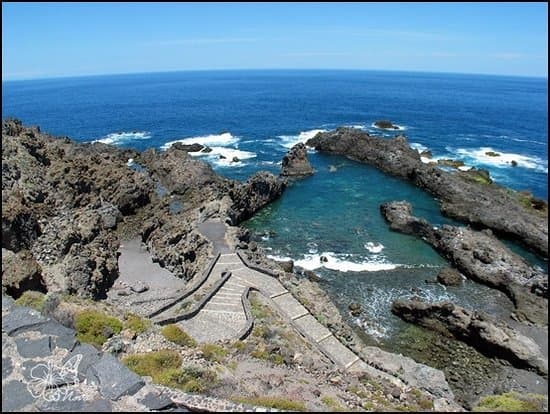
(488, 336)
(295, 162)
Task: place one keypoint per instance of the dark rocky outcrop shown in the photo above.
(469, 196)
(481, 257)
(258, 191)
(295, 162)
(188, 147)
(385, 124)
(488, 336)
(63, 203)
(449, 277)
(20, 272)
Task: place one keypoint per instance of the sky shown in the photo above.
(41, 40)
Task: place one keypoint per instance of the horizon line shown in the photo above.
(59, 77)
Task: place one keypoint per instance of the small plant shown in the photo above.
(95, 327)
(153, 363)
(280, 403)
(213, 352)
(164, 368)
(238, 345)
(32, 299)
(258, 310)
(332, 404)
(136, 323)
(177, 335)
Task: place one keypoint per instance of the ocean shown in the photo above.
(257, 116)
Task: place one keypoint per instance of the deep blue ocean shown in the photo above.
(258, 115)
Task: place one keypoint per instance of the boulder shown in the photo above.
(449, 277)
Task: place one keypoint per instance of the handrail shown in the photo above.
(189, 292)
(196, 309)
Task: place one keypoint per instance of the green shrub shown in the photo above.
(32, 299)
(153, 363)
(511, 401)
(177, 335)
(280, 403)
(213, 352)
(95, 327)
(188, 379)
(136, 323)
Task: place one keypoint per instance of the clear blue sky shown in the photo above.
(71, 39)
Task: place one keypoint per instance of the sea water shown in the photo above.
(256, 116)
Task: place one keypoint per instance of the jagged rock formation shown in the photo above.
(258, 191)
(478, 330)
(295, 162)
(62, 203)
(468, 196)
(479, 256)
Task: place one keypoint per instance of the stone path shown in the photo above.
(224, 317)
(45, 368)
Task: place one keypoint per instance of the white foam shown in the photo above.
(288, 141)
(504, 159)
(220, 139)
(228, 153)
(374, 247)
(356, 126)
(399, 127)
(339, 263)
(417, 146)
(118, 138)
(464, 168)
(427, 160)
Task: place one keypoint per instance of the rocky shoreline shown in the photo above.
(468, 196)
(67, 207)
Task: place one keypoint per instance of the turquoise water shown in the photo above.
(341, 220)
(258, 115)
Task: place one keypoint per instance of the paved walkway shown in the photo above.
(224, 317)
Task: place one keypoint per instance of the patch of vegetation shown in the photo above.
(136, 323)
(321, 319)
(258, 310)
(32, 299)
(213, 352)
(332, 404)
(511, 402)
(153, 363)
(261, 353)
(95, 327)
(238, 345)
(164, 368)
(178, 336)
(185, 306)
(280, 403)
(188, 379)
